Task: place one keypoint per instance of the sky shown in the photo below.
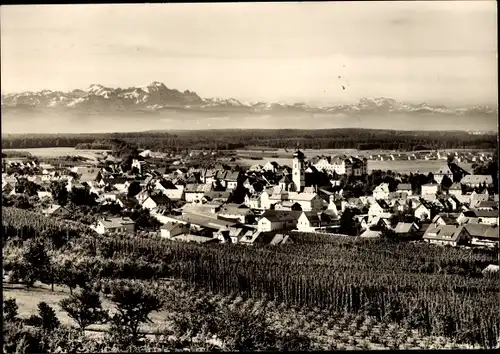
(430, 51)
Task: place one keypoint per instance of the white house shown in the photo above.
(277, 220)
(381, 191)
(114, 225)
(430, 188)
(310, 221)
(422, 212)
(156, 200)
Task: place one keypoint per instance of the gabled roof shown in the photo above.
(482, 231)
(285, 179)
(301, 196)
(197, 188)
(160, 199)
(404, 187)
(314, 217)
(167, 184)
(482, 213)
(477, 179)
(281, 215)
(455, 187)
(444, 170)
(371, 234)
(443, 232)
(404, 227)
(171, 226)
(116, 222)
(232, 176)
(487, 204)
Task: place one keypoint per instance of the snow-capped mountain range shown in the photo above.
(156, 97)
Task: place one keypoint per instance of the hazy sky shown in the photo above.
(442, 52)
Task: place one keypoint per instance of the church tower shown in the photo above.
(298, 176)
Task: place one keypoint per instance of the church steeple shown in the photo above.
(298, 176)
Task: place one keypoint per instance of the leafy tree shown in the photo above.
(10, 310)
(35, 262)
(82, 196)
(72, 277)
(59, 192)
(134, 305)
(347, 223)
(245, 329)
(133, 189)
(85, 308)
(46, 318)
(27, 187)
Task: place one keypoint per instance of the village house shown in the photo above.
(404, 188)
(403, 228)
(271, 166)
(483, 235)
(379, 208)
(455, 189)
(343, 165)
(172, 191)
(446, 235)
(195, 192)
(430, 189)
(171, 229)
(381, 191)
(477, 180)
(252, 201)
(155, 201)
(232, 179)
(487, 205)
(371, 234)
(443, 172)
(476, 198)
(489, 217)
(114, 225)
(278, 220)
(423, 210)
(56, 210)
(310, 221)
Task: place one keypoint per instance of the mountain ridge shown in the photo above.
(156, 97)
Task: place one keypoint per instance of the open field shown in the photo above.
(60, 151)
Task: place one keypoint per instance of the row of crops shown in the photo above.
(437, 290)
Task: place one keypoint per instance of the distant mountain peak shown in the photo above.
(157, 96)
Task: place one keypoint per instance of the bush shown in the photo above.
(46, 318)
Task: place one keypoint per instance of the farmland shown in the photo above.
(51, 152)
(341, 292)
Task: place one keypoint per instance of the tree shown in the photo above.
(59, 192)
(10, 310)
(347, 223)
(134, 305)
(133, 189)
(85, 308)
(27, 187)
(35, 262)
(70, 276)
(82, 196)
(46, 318)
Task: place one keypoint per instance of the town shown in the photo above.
(264, 203)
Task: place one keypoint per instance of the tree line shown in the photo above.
(363, 139)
